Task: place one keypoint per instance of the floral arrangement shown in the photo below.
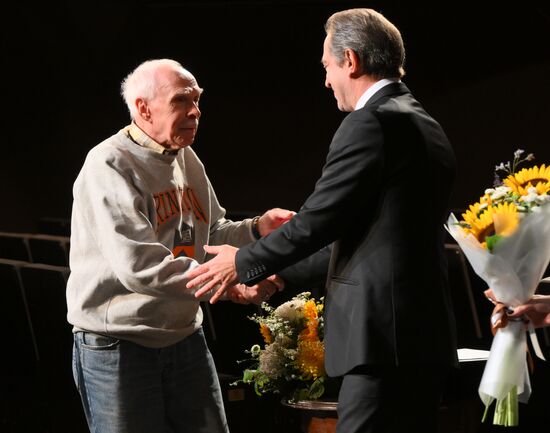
(506, 237)
(291, 363)
(498, 212)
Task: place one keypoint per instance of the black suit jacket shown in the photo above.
(382, 201)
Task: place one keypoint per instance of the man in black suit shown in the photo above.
(381, 202)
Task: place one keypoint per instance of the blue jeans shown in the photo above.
(128, 388)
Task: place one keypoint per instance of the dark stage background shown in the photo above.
(480, 69)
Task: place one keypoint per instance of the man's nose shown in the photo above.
(194, 112)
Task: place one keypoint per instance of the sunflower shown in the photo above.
(473, 213)
(538, 177)
(502, 220)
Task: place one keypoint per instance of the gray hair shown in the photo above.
(374, 39)
(142, 82)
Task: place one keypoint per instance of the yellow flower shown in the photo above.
(538, 177)
(310, 310)
(311, 321)
(472, 213)
(502, 219)
(266, 333)
(311, 358)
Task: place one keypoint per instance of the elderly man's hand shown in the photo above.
(256, 294)
(273, 219)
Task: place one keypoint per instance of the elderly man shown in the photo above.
(143, 209)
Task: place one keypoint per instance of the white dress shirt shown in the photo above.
(373, 89)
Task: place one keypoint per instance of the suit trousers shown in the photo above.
(382, 399)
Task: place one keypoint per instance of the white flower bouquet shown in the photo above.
(506, 238)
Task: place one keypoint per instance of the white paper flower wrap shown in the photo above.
(513, 270)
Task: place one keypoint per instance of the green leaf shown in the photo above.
(300, 394)
(248, 376)
(317, 389)
(492, 241)
(257, 389)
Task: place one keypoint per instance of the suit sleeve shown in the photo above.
(350, 179)
(309, 273)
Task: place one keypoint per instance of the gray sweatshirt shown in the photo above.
(139, 221)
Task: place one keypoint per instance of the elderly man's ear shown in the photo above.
(143, 109)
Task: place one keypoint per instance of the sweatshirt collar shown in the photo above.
(139, 137)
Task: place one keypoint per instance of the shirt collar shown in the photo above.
(373, 89)
(139, 137)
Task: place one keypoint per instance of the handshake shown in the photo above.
(261, 292)
(219, 275)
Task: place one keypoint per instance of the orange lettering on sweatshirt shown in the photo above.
(171, 203)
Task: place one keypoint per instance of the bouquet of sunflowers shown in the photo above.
(506, 237)
(291, 363)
